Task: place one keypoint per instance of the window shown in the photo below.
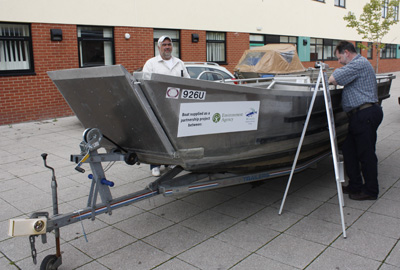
(389, 51)
(216, 47)
(340, 3)
(329, 49)
(16, 55)
(385, 10)
(261, 40)
(369, 49)
(322, 49)
(396, 13)
(287, 39)
(369, 53)
(174, 34)
(280, 39)
(316, 49)
(358, 49)
(96, 46)
(256, 41)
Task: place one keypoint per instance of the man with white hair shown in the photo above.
(165, 63)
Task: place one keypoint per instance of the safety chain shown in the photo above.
(33, 249)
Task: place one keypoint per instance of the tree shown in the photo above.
(375, 22)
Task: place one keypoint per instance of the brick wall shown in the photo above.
(193, 52)
(35, 97)
(236, 44)
(133, 53)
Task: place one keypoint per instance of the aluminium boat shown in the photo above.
(205, 126)
(222, 134)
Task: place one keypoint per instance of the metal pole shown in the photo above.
(55, 209)
(300, 143)
(337, 167)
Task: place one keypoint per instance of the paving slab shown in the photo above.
(378, 246)
(254, 238)
(394, 256)
(213, 254)
(210, 222)
(258, 262)
(110, 237)
(138, 255)
(292, 250)
(175, 239)
(315, 230)
(228, 228)
(338, 259)
(176, 264)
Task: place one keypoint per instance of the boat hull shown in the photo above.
(154, 116)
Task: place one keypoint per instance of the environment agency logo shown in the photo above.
(252, 112)
(216, 117)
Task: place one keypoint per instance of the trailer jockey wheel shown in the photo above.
(131, 158)
(48, 263)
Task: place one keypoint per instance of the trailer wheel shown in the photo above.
(131, 158)
(48, 262)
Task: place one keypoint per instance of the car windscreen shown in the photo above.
(194, 72)
(224, 74)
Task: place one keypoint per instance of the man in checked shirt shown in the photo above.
(360, 102)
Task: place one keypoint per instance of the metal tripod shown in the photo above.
(337, 164)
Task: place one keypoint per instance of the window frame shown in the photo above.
(267, 39)
(278, 39)
(370, 54)
(216, 41)
(157, 33)
(358, 49)
(340, 3)
(288, 40)
(314, 42)
(331, 43)
(390, 49)
(323, 45)
(28, 40)
(396, 13)
(385, 8)
(103, 39)
(369, 50)
(256, 43)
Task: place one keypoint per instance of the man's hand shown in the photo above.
(332, 80)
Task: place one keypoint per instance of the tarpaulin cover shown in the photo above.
(271, 58)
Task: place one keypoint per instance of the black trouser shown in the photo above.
(359, 150)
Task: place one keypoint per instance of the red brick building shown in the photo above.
(31, 95)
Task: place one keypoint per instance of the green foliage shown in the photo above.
(371, 25)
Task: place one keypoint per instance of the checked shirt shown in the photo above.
(359, 81)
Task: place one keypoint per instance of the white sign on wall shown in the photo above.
(217, 117)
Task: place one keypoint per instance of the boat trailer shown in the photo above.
(170, 183)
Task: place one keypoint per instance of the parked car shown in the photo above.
(208, 71)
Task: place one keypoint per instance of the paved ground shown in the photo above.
(230, 228)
